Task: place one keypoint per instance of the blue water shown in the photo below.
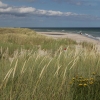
(93, 32)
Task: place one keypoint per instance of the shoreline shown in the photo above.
(77, 37)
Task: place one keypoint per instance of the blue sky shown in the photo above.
(49, 13)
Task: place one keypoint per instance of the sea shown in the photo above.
(91, 32)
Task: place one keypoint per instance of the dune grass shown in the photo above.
(17, 38)
(34, 67)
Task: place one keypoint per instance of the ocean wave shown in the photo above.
(79, 32)
(90, 36)
(98, 38)
(62, 30)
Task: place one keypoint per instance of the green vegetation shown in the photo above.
(88, 46)
(34, 67)
(86, 88)
(28, 39)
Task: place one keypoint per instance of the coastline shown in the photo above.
(77, 37)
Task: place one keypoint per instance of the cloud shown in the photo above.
(12, 11)
(26, 11)
(2, 4)
(17, 11)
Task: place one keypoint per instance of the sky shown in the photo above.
(49, 13)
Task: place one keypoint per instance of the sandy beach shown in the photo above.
(77, 37)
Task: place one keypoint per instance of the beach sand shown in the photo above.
(77, 37)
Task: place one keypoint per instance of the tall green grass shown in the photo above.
(17, 38)
(42, 77)
(44, 71)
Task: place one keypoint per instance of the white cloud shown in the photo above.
(7, 11)
(54, 13)
(17, 11)
(26, 10)
(40, 12)
(33, 11)
(48, 12)
(2, 4)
